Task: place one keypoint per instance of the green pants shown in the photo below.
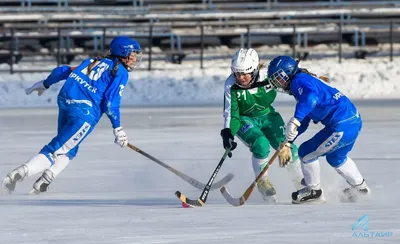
(261, 132)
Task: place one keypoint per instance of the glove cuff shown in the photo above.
(226, 132)
(288, 144)
(295, 121)
(45, 86)
(117, 130)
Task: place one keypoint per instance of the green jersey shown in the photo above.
(251, 102)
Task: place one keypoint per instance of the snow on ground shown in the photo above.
(113, 195)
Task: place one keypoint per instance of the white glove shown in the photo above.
(291, 129)
(38, 86)
(120, 137)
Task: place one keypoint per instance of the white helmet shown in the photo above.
(246, 61)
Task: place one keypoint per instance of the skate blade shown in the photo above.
(5, 191)
(269, 199)
(34, 192)
(354, 198)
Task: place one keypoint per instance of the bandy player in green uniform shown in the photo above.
(250, 116)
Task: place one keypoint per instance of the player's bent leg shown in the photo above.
(294, 169)
(313, 192)
(349, 171)
(252, 137)
(265, 187)
(61, 150)
(34, 165)
(42, 184)
(309, 152)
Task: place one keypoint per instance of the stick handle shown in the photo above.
(204, 194)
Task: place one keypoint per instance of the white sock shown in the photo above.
(350, 173)
(258, 165)
(312, 174)
(294, 169)
(60, 163)
(37, 164)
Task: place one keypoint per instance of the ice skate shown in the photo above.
(267, 190)
(354, 193)
(42, 184)
(10, 181)
(308, 195)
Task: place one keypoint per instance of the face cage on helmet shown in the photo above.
(254, 76)
(138, 60)
(280, 80)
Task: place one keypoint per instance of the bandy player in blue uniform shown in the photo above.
(91, 89)
(319, 102)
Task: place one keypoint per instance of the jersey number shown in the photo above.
(97, 70)
(240, 94)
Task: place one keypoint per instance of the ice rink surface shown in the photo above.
(114, 195)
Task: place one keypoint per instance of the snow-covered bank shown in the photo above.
(188, 85)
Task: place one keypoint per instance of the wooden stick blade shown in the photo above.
(230, 199)
(246, 195)
(241, 200)
(192, 203)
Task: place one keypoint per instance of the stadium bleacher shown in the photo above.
(67, 28)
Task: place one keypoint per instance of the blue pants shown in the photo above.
(71, 131)
(334, 142)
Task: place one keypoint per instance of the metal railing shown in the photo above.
(298, 33)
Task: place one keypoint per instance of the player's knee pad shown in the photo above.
(260, 147)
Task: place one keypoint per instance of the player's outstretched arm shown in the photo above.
(58, 74)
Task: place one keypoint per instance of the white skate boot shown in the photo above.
(354, 193)
(42, 184)
(267, 190)
(10, 181)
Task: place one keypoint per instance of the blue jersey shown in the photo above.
(320, 102)
(89, 95)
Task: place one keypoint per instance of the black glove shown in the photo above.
(227, 140)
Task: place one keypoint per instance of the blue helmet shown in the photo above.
(280, 72)
(123, 46)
